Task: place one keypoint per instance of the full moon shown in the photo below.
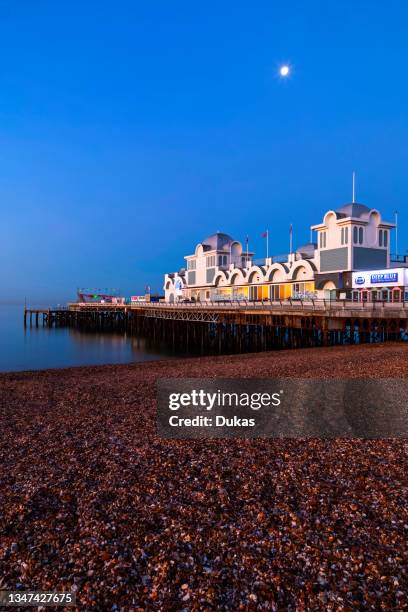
(284, 71)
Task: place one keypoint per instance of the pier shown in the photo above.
(47, 317)
(239, 327)
(236, 327)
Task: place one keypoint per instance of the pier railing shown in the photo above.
(305, 305)
(331, 308)
(311, 305)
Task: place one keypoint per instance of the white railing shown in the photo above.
(304, 305)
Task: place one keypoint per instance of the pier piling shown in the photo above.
(209, 329)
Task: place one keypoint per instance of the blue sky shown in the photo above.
(131, 130)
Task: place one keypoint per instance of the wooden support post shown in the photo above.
(325, 332)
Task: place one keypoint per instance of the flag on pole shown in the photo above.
(266, 235)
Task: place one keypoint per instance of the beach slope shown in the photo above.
(92, 500)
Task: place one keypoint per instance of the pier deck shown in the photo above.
(329, 308)
(334, 308)
(239, 327)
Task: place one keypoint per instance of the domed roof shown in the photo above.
(353, 210)
(307, 250)
(217, 242)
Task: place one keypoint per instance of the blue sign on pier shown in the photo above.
(385, 277)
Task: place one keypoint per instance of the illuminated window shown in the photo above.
(274, 292)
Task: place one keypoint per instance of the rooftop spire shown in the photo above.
(354, 188)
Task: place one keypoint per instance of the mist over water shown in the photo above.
(35, 348)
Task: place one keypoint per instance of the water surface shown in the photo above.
(34, 348)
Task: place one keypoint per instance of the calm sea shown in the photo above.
(37, 348)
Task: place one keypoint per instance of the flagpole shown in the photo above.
(267, 244)
(290, 238)
(247, 251)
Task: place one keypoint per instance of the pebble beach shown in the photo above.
(92, 501)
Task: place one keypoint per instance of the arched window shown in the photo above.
(342, 235)
(385, 238)
(346, 235)
(380, 238)
(355, 234)
(360, 235)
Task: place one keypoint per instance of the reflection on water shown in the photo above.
(37, 348)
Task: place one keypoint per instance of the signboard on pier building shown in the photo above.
(393, 277)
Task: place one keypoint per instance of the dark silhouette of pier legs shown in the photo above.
(223, 332)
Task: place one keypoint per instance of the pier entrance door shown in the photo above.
(253, 293)
(360, 295)
(274, 293)
(396, 294)
(385, 295)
